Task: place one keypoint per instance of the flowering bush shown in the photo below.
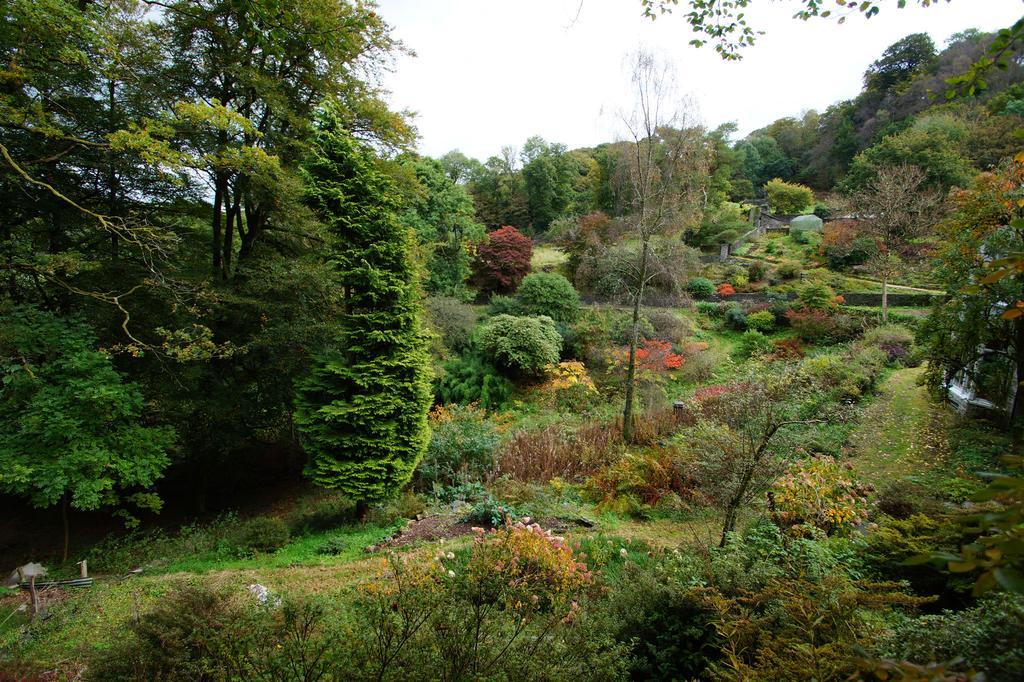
(821, 492)
(725, 290)
(525, 569)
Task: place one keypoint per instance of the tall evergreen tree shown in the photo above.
(362, 411)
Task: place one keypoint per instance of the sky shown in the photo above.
(488, 73)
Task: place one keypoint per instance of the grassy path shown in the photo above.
(901, 434)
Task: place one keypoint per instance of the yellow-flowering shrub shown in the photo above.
(568, 385)
(821, 492)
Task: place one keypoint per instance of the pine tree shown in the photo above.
(362, 411)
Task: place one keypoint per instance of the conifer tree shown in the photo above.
(362, 411)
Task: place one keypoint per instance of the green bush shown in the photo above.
(754, 343)
(707, 308)
(462, 446)
(788, 198)
(700, 288)
(887, 548)
(551, 294)
(260, 535)
(669, 623)
(987, 637)
(520, 345)
(816, 296)
(789, 270)
(761, 321)
(470, 378)
(452, 319)
(503, 305)
(735, 318)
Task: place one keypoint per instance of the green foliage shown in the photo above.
(362, 411)
(551, 294)
(520, 345)
(754, 343)
(721, 225)
(788, 198)
(670, 624)
(440, 213)
(73, 429)
(762, 321)
(790, 270)
(888, 548)
(934, 144)
(462, 446)
(735, 317)
(470, 378)
(986, 637)
(257, 536)
(452, 319)
(816, 296)
(700, 288)
(333, 546)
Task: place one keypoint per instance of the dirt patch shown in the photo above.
(427, 529)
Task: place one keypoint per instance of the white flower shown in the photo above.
(623, 552)
(450, 555)
(451, 574)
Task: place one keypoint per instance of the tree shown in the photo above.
(934, 144)
(788, 198)
(74, 432)
(739, 437)
(897, 209)
(666, 165)
(362, 411)
(978, 327)
(548, 173)
(502, 261)
(900, 62)
(440, 214)
(246, 128)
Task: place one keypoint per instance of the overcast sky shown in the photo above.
(493, 72)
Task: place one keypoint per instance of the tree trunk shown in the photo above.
(885, 299)
(627, 411)
(1016, 412)
(218, 202)
(362, 510)
(67, 526)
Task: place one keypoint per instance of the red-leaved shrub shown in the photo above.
(725, 290)
(502, 261)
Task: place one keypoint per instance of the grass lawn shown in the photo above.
(547, 259)
(902, 433)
